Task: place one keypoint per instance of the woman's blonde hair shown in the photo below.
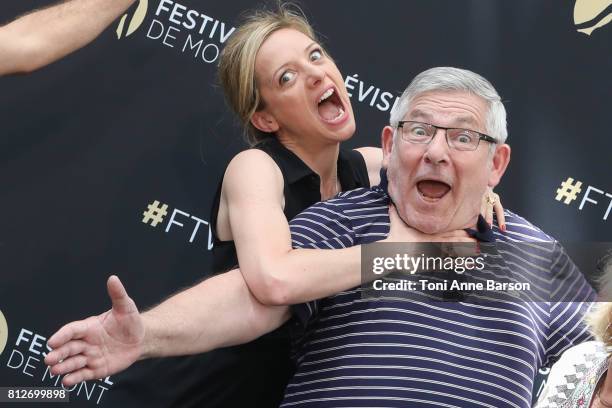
(237, 60)
(600, 318)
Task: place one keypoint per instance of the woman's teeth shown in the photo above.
(326, 95)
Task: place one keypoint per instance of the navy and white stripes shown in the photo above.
(394, 352)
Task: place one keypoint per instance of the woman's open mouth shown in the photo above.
(330, 107)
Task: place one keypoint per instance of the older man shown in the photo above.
(444, 146)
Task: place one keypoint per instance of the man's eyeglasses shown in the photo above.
(458, 139)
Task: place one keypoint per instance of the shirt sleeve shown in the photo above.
(571, 299)
(322, 226)
(569, 378)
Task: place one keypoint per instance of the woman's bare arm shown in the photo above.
(275, 273)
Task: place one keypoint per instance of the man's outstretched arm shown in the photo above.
(218, 312)
(44, 36)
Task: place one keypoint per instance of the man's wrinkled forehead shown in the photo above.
(449, 108)
(422, 115)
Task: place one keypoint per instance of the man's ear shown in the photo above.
(386, 140)
(500, 160)
(265, 122)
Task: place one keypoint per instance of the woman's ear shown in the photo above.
(265, 122)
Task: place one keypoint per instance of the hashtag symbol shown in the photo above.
(568, 190)
(155, 213)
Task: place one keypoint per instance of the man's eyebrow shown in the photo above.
(419, 114)
(466, 120)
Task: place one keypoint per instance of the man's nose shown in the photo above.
(437, 150)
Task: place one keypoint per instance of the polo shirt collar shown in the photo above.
(482, 232)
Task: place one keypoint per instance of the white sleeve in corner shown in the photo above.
(567, 375)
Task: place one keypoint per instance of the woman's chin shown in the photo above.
(347, 131)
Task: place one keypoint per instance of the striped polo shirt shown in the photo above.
(396, 352)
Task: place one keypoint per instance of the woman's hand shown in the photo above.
(458, 243)
(490, 202)
(400, 232)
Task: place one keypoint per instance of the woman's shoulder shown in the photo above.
(252, 160)
(249, 166)
(373, 157)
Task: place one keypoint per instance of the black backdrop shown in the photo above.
(88, 142)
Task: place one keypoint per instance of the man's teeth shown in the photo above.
(326, 95)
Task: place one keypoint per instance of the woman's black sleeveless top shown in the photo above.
(256, 374)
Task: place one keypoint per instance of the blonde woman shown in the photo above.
(291, 99)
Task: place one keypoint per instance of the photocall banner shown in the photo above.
(110, 157)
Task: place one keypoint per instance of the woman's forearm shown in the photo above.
(302, 275)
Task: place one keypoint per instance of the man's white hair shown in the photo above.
(456, 79)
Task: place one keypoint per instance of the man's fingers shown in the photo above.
(119, 297)
(70, 331)
(83, 374)
(69, 365)
(63, 352)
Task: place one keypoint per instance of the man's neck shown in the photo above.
(477, 227)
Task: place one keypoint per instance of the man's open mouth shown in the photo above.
(433, 190)
(330, 107)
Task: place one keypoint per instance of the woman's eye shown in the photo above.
(316, 55)
(286, 77)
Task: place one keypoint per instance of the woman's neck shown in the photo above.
(322, 159)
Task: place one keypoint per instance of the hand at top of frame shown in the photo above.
(101, 345)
